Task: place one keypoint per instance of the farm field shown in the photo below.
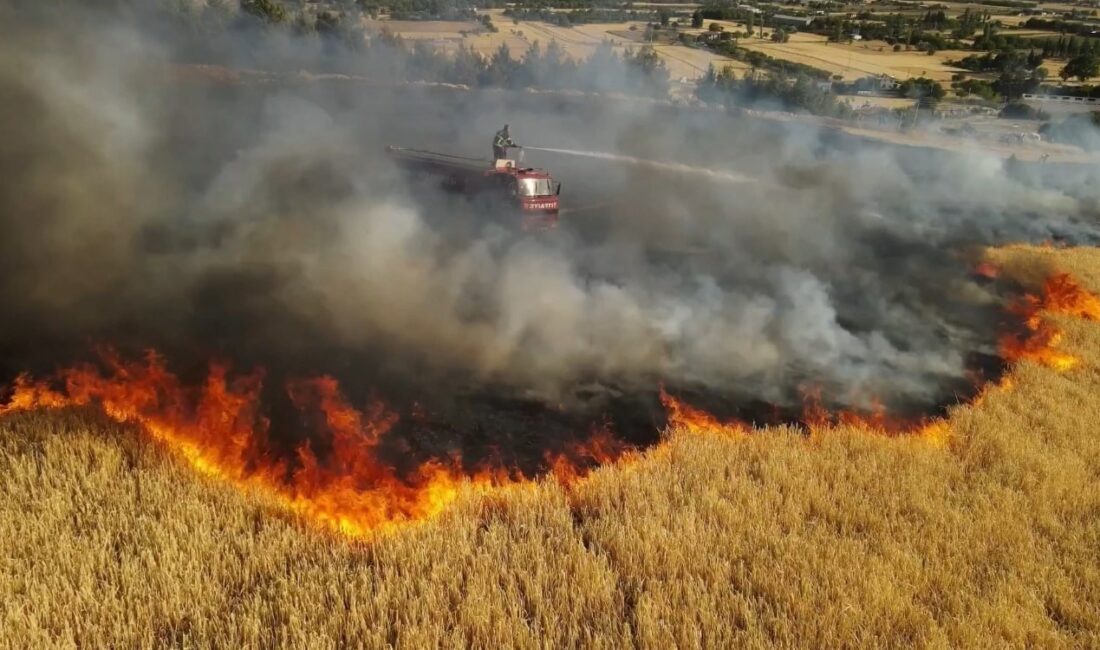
(985, 535)
(291, 360)
(578, 42)
(1001, 13)
(860, 59)
(850, 61)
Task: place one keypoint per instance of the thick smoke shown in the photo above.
(145, 204)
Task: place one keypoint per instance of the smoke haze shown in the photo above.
(261, 223)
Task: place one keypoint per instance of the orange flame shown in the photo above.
(687, 418)
(1040, 346)
(1061, 295)
(817, 419)
(602, 447)
(218, 429)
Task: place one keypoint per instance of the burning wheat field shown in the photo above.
(761, 385)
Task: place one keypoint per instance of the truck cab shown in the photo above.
(536, 195)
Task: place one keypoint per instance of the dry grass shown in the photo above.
(848, 539)
(860, 59)
(851, 61)
(578, 42)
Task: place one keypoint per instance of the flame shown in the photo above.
(1041, 341)
(218, 429)
(1062, 295)
(816, 418)
(1040, 346)
(684, 417)
(876, 419)
(602, 447)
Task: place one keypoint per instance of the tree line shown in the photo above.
(637, 72)
(770, 89)
(1063, 26)
(578, 16)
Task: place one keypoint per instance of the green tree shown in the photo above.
(270, 11)
(697, 19)
(502, 68)
(555, 55)
(647, 60)
(926, 91)
(1083, 67)
(328, 24)
(1073, 49)
(467, 67)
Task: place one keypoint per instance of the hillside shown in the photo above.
(847, 538)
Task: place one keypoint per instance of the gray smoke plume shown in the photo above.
(144, 204)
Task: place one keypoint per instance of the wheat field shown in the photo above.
(843, 539)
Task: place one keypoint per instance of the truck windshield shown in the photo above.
(534, 187)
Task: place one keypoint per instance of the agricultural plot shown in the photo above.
(859, 59)
(578, 42)
(850, 61)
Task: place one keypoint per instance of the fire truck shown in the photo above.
(530, 193)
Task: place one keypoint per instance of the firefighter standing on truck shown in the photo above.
(501, 141)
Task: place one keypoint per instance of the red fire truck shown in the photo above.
(531, 193)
